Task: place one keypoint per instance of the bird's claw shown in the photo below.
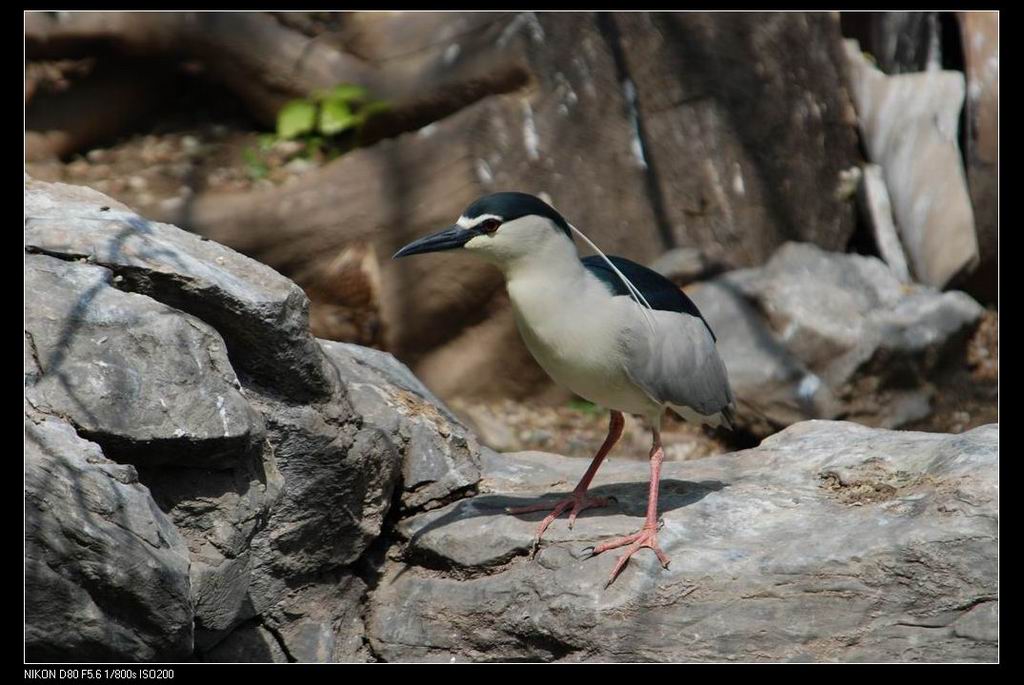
(579, 503)
(645, 537)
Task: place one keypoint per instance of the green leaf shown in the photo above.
(375, 107)
(255, 165)
(335, 117)
(266, 141)
(583, 406)
(349, 92)
(313, 145)
(368, 111)
(346, 92)
(295, 118)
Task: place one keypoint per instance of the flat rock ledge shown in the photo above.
(830, 541)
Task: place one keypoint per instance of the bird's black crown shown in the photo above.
(511, 206)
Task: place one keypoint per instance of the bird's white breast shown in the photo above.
(572, 326)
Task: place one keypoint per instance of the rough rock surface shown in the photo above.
(873, 196)
(814, 334)
(105, 569)
(191, 367)
(829, 542)
(441, 455)
(249, 644)
(262, 316)
(97, 348)
(154, 387)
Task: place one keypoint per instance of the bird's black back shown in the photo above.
(659, 292)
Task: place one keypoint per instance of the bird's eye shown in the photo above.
(490, 226)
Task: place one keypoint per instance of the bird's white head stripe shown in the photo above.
(466, 222)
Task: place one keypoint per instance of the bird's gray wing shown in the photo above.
(676, 362)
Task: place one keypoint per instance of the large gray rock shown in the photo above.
(772, 386)
(218, 512)
(873, 196)
(341, 463)
(814, 334)
(322, 622)
(338, 485)
(268, 480)
(262, 316)
(151, 383)
(251, 643)
(154, 386)
(829, 542)
(909, 125)
(440, 454)
(106, 572)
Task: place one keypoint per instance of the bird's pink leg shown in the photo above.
(646, 536)
(579, 500)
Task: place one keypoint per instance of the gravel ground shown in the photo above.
(578, 429)
(967, 396)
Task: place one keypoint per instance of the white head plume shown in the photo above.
(634, 292)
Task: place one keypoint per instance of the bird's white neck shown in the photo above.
(553, 261)
(550, 290)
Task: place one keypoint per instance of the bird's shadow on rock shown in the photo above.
(631, 500)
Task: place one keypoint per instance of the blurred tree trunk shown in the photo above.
(747, 138)
(251, 53)
(722, 132)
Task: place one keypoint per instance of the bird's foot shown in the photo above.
(645, 537)
(579, 502)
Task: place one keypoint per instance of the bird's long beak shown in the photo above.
(448, 239)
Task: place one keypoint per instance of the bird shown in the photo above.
(606, 328)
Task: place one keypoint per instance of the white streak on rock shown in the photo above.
(530, 137)
(483, 172)
(451, 53)
(737, 180)
(522, 19)
(223, 414)
(636, 144)
(809, 385)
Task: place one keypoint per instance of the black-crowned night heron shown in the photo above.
(608, 329)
